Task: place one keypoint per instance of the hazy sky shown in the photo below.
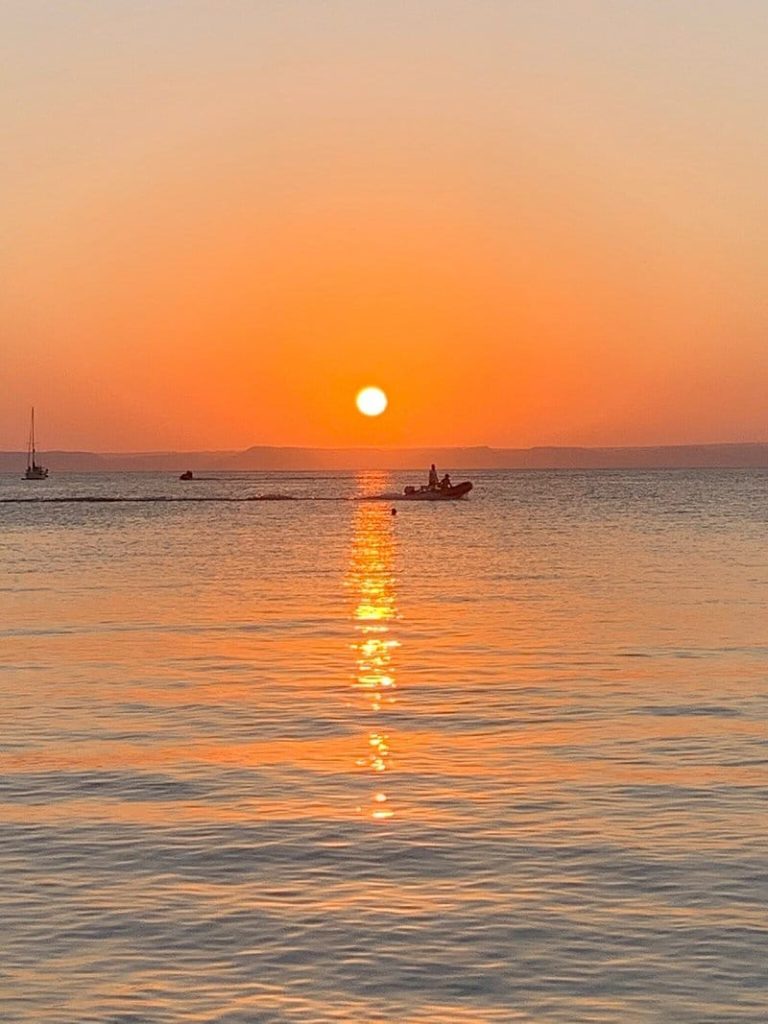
(530, 222)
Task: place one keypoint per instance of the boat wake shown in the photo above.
(98, 499)
(410, 494)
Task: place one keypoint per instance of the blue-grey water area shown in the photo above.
(499, 760)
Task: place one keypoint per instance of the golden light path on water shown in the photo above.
(372, 580)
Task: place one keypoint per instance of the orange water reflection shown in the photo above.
(371, 578)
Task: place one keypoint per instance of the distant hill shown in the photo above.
(115, 462)
(672, 457)
(710, 456)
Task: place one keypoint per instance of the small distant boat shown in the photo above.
(437, 494)
(33, 472)
(187, 475)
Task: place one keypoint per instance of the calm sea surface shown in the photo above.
(495, 761)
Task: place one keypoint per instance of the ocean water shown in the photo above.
(503, 760)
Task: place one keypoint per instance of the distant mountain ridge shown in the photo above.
(265, 457)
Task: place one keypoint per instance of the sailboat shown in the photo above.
(34, 472)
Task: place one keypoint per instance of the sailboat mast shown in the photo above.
(34, 472)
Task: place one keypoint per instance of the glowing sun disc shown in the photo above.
(371, 401)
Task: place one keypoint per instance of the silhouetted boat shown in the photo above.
(33, 472)
(452, 493)
(187, 475)
(437, 493)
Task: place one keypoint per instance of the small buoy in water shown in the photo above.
(394, 511)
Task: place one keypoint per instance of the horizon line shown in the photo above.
(387, 448)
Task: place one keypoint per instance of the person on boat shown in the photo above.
(433, 482)
(445, 483)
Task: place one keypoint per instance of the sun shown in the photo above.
(371, 401)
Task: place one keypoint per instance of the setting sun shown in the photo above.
(371, 401)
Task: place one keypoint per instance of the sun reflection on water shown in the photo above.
(371, 577)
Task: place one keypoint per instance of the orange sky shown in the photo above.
(530, 222)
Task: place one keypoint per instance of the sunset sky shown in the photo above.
(530, 222)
